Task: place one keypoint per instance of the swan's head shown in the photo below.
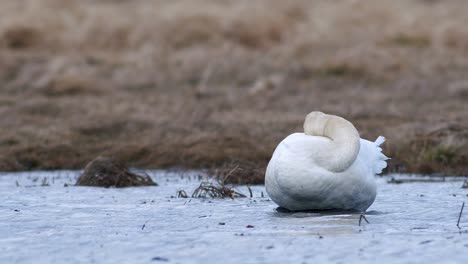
(344, 145)
(320, 124)
(315, 123)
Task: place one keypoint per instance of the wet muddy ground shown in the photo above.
(42, 220)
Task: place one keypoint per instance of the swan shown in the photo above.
(327, 167)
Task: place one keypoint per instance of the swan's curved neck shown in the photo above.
(344, 144)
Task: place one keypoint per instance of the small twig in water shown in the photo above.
(144, 225)
(45, 182)
(362, 216)
(459, 216)
(465, 185)
(182, 194)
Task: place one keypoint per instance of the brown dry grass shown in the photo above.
(109, 172)
(214, 83)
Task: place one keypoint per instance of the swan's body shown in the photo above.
(327, 167)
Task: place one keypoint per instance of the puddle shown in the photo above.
(41, 221)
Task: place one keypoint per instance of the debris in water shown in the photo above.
(425, 242)
(465, 184)
(362, 216)
(160, 259)
(182, 194)
(144, 225)
(215, 190)
(108, 172)
(45, 182)
(459, 216)
(250, 226)
(419, 228)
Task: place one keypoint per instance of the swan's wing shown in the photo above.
(371, 154)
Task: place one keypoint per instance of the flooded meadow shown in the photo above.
(44, 218)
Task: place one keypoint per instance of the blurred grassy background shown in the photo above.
(218, 84)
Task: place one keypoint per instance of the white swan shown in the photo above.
(327, 167)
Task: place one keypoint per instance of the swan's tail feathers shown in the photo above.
(380, 140)
(381, 161)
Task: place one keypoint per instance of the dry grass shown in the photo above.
(218, 187)
(215, 83)
(182, 194)
(108, 172)
(215, 190)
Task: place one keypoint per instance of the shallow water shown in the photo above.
(409, 223)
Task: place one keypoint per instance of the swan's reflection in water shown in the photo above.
(319, 222)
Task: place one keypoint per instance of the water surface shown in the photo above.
(409, 223)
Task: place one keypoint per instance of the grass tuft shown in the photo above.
(215, 190)
(108, 172)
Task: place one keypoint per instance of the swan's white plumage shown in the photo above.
(327, 167)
